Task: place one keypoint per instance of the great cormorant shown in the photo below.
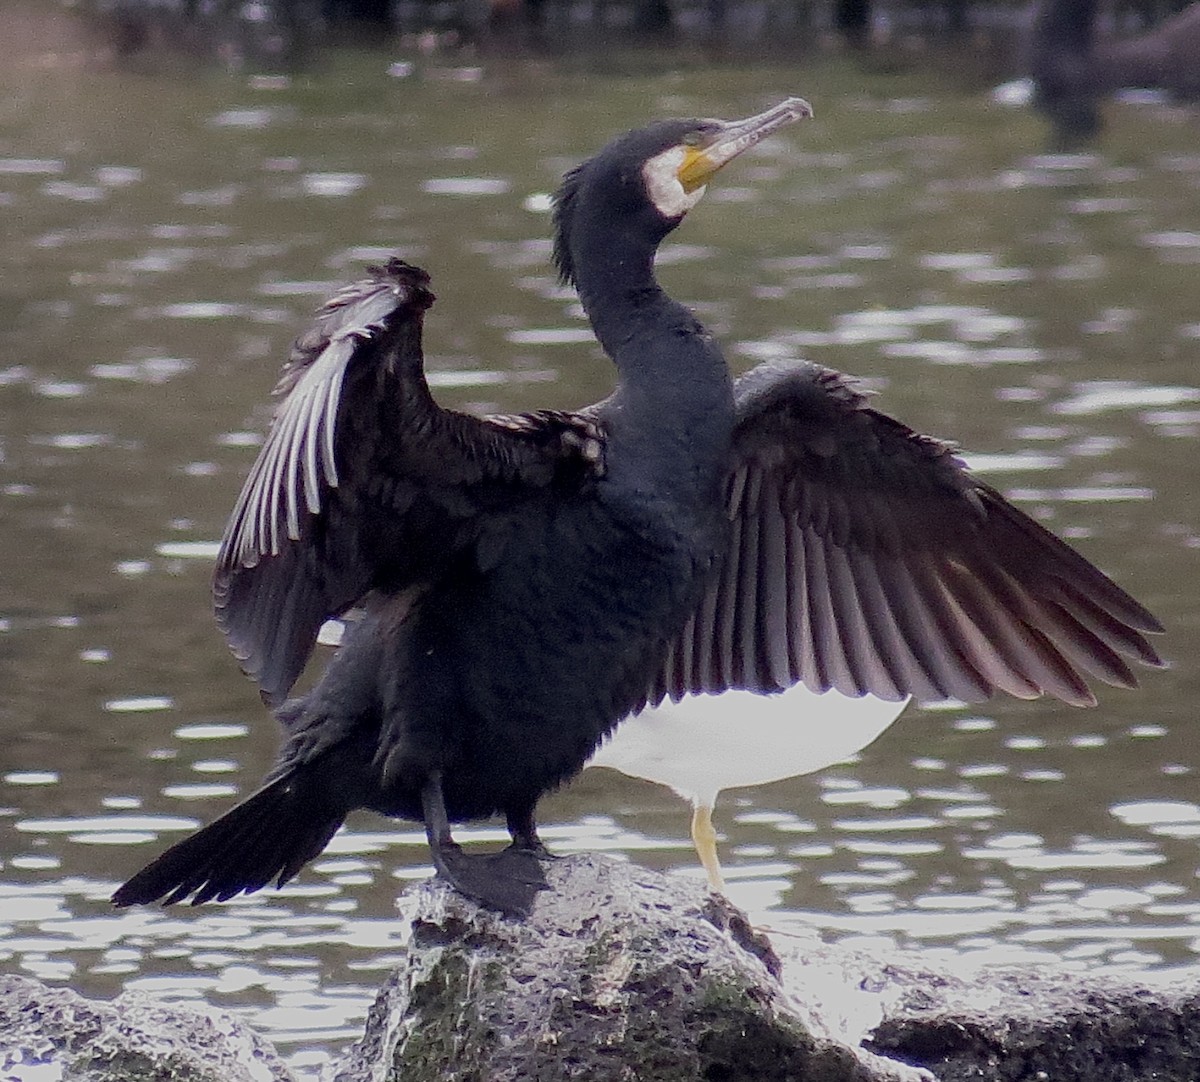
(527, 581)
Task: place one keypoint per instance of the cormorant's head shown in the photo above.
(650, 178)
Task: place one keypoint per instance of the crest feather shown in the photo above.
(564, 212)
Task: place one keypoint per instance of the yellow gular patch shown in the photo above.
(696, 169)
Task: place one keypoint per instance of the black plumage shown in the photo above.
(527, 581)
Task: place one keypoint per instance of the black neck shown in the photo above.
(673, 408)
(616, 283)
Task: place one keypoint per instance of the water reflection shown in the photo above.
(1042, 309)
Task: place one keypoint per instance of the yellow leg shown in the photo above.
(704, 838)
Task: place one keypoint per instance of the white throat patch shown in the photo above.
(661, 174)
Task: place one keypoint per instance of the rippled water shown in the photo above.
(166, 236)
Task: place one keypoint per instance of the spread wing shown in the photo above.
(364, 482)
(865, 557)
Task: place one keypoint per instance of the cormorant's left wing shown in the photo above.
(867, 558)
(365, 483)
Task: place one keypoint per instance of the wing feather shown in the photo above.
(364, 481)
(772, 619)
(799, 622)
(742, 665)
(1106, 627)
(883, 640)
(865, 557)
(721, 632)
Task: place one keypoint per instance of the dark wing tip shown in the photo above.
(391, 293)
(407, 276)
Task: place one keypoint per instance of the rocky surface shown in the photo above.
(1023, 1024)
(619, 974)
(53, 1035)
(624, 975)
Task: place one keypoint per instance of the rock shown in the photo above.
(1005, 1023)
(1018, 1024)
(625, 974)
(53, 1033)
(619, 974)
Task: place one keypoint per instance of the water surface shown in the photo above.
(167, 236)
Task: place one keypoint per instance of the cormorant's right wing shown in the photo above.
(865, 557)
(364, 482)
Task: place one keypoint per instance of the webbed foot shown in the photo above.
(507, 881)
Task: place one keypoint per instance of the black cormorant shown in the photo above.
(527, 581)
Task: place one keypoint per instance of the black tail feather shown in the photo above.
(268, 837)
